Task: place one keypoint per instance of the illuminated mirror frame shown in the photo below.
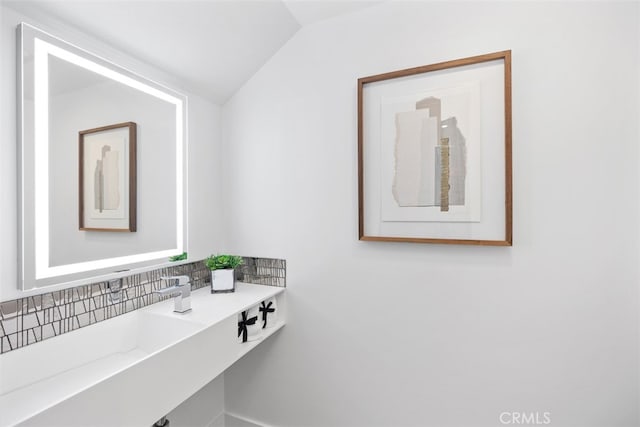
(34, 164)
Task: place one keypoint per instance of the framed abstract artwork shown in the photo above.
(107, 172)
(434, 153)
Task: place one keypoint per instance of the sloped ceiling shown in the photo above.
(213, 46)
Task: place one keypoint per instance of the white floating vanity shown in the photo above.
(132, 369)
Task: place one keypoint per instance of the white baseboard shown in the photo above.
(219, 421)
(235, 420)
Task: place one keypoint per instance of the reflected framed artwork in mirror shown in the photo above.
(107, 178)
(434, 153)
(133, 138)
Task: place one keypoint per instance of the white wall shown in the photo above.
(155, 170)
(204, 409)
(384, 334)
(206, 232)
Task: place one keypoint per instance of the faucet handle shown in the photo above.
(176, 280)
(181, 288)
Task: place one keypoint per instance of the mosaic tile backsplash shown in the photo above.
(263, 271)
(31, 319)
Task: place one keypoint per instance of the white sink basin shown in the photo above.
(109, 373)
(86, 356)
(155, 331)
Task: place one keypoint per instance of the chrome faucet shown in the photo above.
(181, 288)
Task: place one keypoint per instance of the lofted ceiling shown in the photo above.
(213, 46)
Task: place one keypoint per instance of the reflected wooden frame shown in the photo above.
(506, 238)
(127, 223)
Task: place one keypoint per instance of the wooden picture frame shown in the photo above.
(434, 153)
(107, 178)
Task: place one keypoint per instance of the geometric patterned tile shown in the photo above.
(35, 318)
(48, 331)
(10, 326)
(13, 341)
(84, 319)
(4, 344)
(98, 315)
(9, 309)
(29, 321)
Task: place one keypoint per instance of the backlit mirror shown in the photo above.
(103, 166)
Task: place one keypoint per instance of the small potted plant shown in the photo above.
(222, 267)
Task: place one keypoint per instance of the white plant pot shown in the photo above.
(223, 281)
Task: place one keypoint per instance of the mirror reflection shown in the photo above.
(100, 146)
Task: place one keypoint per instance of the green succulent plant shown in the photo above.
(180, 257)
(221, 262)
